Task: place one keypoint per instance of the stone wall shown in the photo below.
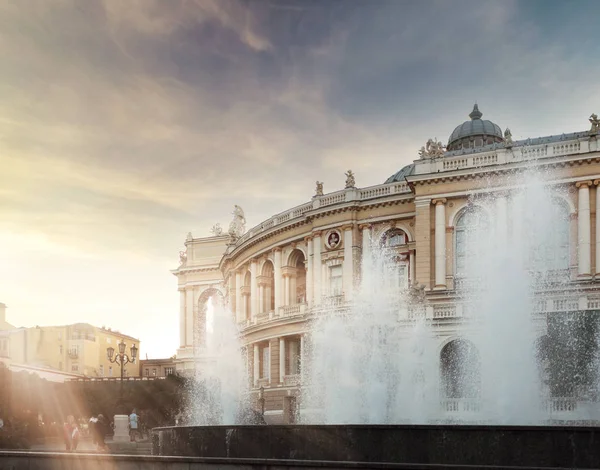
(540, 446)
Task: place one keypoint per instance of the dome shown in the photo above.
(400, 175)
(474, 133)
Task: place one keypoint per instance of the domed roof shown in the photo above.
(476, 127)
(400, 175)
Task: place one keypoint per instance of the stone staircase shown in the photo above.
(143, 447)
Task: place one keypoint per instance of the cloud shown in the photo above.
(125, 124)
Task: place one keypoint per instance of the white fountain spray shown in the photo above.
(220, 393)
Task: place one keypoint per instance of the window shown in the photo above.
(469, 239)
(60, 365)
(168, 371)
(550, 248)
(60, 335)
(153, 372)
(398, 274)
(74, 367)
(110, 371)
(336, 280)
(60, 349)
(293, 356)
(393, 237)
(101, 370)
(147, 372)
(265, 362)
(108, 340)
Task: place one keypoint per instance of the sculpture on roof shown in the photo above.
(508, 138)
(319, 190)
(189, 237)
(237, 227)
(216, 230)
(182, 258)
(595, 124)
(350, 181)
(433, 148)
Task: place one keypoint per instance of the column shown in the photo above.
(181, 318)
(501, 221)
(281, 359)
(239, 301)
(348, 266)
(189, 316)
(596, 183)
(440, 242)
(256, 364)
(366, 247)
(317, 267)
(261, 298)
(583, 229)
(277, 278)
(309, 271)
(411, 267)
(286, 289)
(253, 290)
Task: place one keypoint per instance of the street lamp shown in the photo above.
(122, 358)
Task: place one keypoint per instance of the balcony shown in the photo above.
(292, 310)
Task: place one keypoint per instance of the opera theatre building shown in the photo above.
(309, 260)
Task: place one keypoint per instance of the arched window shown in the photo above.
(394, 237)
(460, 370)
(550, 248)
(469, 242)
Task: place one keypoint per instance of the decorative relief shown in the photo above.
(237, 227)
(319, 189)
(432, 149)
(350, 181)
(450, 204)
(333, 239)
(595, 122)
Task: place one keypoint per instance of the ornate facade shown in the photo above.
(276, 276)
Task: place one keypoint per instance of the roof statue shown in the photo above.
(217, 230)
(595, 124)
(508, 138)
(350, 181)
(237, 227)
(319, 189)
(433, 148)
(189, 237)
(182, 258)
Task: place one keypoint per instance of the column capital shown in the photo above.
(308, 238)
(276, 249)
(317, 233)
(596, 182)
(581, 184)
(449, 229)
(347, 227)
(441, 200)
(365, 226)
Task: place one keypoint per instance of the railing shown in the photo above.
(461, 405)
(291, 310)
(561, 404)
(291, 380)
(324, 201)
(415, 313)
(444, 311)
(565, 305)
(593, 303)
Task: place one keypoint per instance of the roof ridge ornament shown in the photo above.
(475, 114)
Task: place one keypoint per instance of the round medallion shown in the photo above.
(333, 239)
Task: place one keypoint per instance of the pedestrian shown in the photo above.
(101, 430)
(93, 429)
(71, 434)
(133, 425)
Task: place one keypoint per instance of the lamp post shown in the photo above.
(122, 358)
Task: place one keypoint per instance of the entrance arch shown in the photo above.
(200, 318)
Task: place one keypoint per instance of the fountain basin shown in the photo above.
(518, 446)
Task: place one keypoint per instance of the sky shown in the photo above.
(125, 124)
